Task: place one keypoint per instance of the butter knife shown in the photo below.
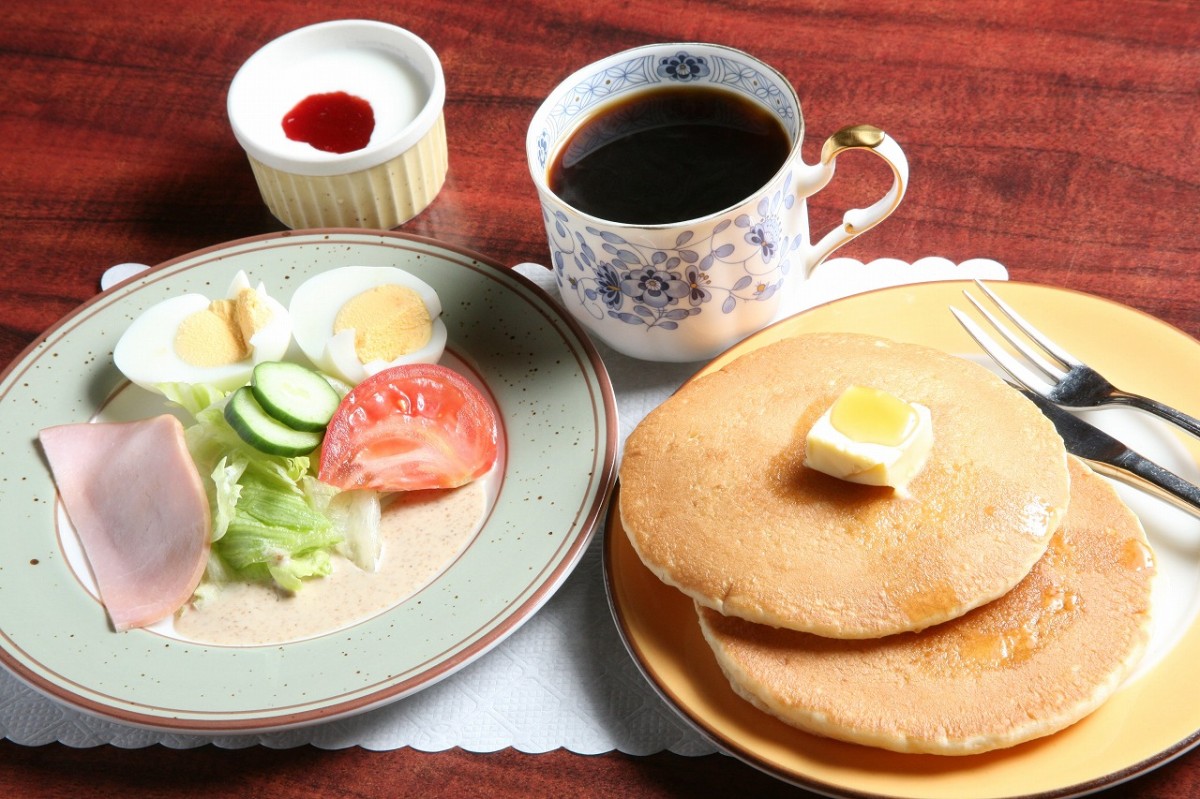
(1111, 458)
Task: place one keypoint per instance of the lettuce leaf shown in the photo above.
(191, 397)
(276, 534)
(226, 490)
(273, 521)
(356, 514)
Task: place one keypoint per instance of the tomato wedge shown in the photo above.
(410, 427)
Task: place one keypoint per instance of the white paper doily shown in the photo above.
(564, 680)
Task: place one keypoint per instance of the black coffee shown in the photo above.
(669, 155)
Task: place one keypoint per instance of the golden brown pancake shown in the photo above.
(717, 501)
(1034, 661)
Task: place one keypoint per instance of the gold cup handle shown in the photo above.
(859, 220)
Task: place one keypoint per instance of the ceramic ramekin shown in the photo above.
(384, 184)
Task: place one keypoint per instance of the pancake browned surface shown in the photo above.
(716, 499)
(1029, 664)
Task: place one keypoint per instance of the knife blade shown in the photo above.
(1112, 458)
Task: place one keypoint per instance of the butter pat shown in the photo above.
(871, 437)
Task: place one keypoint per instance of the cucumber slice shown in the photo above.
(295, 395)
(264, 432)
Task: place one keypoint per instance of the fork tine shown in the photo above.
(1064, 357)
(1052, 370)
(1017, 370)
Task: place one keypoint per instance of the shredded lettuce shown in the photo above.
(226, 491)
(356, 514)
(191, 397)
(276, 534)
(272, 519)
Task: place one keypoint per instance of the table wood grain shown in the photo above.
(1058, 138)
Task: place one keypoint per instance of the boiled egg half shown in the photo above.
(871, 436)
(354, 321)
(194, 339)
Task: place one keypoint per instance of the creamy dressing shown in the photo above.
(422, 532)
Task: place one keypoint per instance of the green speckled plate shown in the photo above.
(559, 417)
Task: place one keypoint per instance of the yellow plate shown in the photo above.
(1153, 718)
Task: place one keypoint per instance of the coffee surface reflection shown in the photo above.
(669, 155)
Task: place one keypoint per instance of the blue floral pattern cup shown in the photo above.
(687, 291)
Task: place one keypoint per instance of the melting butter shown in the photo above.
(873, 416)
(872, 437)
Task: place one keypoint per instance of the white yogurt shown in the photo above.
(389, 67)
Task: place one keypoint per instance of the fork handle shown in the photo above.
(1178, 418)
(1130, 467)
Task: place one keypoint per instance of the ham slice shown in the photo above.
(136, 500)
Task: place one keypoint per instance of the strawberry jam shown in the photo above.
(335, 122)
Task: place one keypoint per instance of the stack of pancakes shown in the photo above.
(1004, 598)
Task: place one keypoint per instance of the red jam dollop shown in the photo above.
(336, 122)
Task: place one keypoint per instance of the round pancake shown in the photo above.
(1029, 664)
(717, 502)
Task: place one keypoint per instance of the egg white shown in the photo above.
(315, 306)
(146, 355)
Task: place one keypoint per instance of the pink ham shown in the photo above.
(136, 500)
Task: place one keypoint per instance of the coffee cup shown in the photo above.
(674, 196)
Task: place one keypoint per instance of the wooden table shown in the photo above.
(1058, 138)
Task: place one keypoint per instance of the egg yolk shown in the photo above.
(388, 321)
(873, 416)
(221, 333)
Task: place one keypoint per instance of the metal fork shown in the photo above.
(1071, 383)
